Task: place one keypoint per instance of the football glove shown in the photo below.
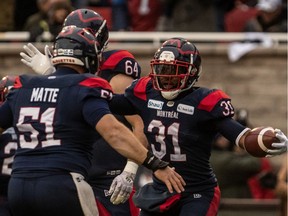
(122, 184)
(281, 146)
(39, 62)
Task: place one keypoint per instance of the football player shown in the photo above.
(119, 68)
(8, 146)
(57, 119)
(180, 122)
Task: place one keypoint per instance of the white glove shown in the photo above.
(122, 184)
(281, 146)
(34, 59)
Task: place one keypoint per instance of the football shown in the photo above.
(259, 140)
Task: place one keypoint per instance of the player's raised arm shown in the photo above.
(38, 62)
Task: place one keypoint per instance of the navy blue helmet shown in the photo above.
(76, 46)
(176, 67)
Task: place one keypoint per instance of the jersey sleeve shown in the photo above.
(94, 110)
(217, 103)
(128, 103)
(119, 62)
(95, 95)
(231, 129)
(138, 89)
(96, 87)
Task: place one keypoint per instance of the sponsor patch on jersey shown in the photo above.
(155, 104)
(185, 109)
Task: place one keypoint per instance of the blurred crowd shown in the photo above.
(43, 18)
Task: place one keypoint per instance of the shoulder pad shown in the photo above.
(211, 99)
(139, 87)
(119, 61)
(94, 82)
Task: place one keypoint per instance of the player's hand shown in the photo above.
(34, 59)
(171, 178)
(121, 187)
(281, 146)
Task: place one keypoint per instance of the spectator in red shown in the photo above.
(272, 17)
(221, 8)
(144, 14)
(262, 184)
(235, 20)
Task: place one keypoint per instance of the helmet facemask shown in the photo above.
(91, 64)
(102, 37)
(172, 76)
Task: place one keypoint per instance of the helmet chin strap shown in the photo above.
(170, 95)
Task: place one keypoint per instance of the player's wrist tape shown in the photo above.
(153, 163)
(131, 167)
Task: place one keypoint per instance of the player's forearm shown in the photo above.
(127, 145)
(138, 128)
(141, 137)
(121, 139)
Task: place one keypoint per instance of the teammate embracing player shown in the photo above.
(57, 119)
(119, 68)
(180, 121)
